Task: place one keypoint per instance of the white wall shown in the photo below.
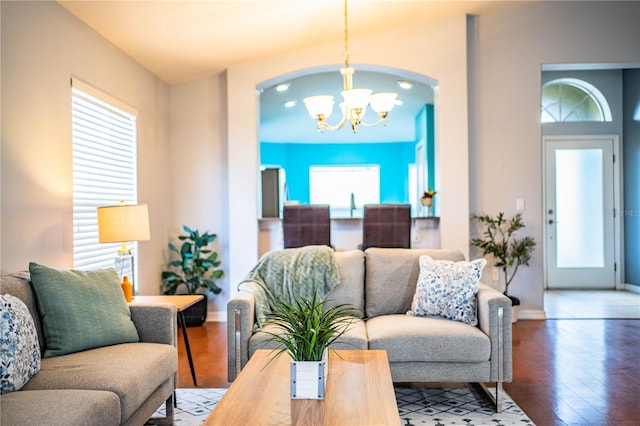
(506, 149)
(43, 46)
(198, 170)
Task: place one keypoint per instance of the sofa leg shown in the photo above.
(496, 399)
(168, 418)
(169, 404)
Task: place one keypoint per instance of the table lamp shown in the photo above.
(119, 224)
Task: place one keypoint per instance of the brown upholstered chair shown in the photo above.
(306, 225)
(386, 225)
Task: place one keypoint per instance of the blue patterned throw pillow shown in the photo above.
(19, 348)
(448, 289)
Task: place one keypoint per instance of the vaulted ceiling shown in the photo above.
(180, 41)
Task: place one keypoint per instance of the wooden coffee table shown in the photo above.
(359, 392)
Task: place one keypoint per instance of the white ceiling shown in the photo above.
(185, 40)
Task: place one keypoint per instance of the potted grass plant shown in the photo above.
(194, 272)
(499, 240)
(306, 330)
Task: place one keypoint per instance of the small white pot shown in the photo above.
(514, 314)
(308, 379)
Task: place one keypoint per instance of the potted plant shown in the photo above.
(193, 272)
(499, 239)
(306, 330)
(427, 197)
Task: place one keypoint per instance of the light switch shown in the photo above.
(519, 204)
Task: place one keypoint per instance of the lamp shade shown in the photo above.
(356, 98)
(383, 102)
(117, 224)
(319, 106)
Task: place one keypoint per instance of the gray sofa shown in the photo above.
(121, 384)
(381, 283)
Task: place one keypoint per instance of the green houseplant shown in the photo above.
(499, 240)
(193, 271)
(306, 330)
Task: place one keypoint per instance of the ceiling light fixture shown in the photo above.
(355, 102)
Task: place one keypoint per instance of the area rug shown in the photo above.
(416, 406)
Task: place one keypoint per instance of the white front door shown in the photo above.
(579, 212)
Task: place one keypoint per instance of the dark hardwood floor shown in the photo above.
(566, 372)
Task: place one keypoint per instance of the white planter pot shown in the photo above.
(308, 379)
(514, 314)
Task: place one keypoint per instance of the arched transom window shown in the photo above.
(571, 100)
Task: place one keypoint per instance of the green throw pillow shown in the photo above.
(81, 309)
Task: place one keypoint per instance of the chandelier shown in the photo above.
(355, 101)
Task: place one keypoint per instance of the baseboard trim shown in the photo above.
(531, 314)
(632, 288)
(217, 316)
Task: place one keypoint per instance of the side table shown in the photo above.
(181, 302)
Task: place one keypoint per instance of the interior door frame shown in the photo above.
(618, 244)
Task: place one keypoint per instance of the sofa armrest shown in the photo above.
(494, 319)
(156, 323)
(240, 324)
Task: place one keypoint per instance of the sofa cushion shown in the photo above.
(351, 288)
(391, 277)
(132, 371)
(19, 350)
(408, 339)
(81, 309)
(448, 289)
(60, 407)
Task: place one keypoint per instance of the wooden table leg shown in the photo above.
(186, 345)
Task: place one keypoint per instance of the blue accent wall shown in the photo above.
(431, 146)
(393, 158)
(296, 158)
(425, 129)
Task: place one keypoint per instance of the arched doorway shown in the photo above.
(290, 145)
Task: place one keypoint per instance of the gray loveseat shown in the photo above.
(381, 283)
(121, 384)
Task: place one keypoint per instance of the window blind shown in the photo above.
(104, 138)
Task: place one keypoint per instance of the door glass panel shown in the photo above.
(579, 208)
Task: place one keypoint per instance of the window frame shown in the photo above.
(590, 92)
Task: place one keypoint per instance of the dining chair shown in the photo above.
(304, 225)
(386, 225)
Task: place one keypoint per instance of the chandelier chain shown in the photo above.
(346, 36)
